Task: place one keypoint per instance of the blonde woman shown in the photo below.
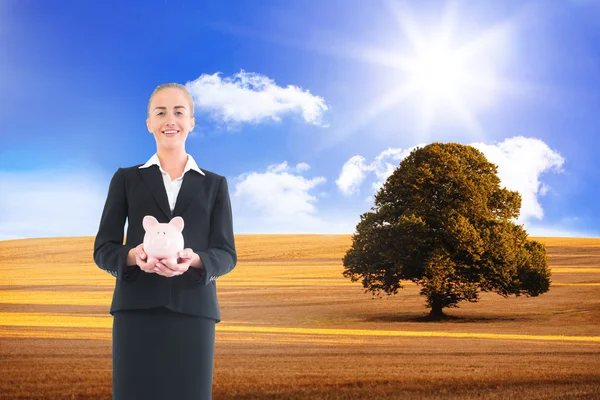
(165, 314)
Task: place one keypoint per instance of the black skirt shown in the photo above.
(159, 354)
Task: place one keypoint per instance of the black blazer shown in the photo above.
(203, 203)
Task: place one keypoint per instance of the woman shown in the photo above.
(165, 314)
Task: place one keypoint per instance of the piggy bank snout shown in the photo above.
(163, 243)
(160, 241)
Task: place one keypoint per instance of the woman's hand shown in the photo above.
(166, 268)
(140, 257)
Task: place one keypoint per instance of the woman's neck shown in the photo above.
(170, 160)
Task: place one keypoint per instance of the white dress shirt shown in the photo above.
(172, 186)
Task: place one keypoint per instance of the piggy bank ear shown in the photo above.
(177, 223)
(149, 222)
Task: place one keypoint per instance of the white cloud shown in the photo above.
(301, 167)
(51, 203)
(278, 198)
(520, 160)
(252, 98)
(283, 167)
(354, 171)
(352, 175)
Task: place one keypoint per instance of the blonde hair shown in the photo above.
(175, 86)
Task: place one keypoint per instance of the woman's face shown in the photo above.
(170, 118)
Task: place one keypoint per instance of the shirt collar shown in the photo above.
(190, 164)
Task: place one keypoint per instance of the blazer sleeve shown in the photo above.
(220, 258)
(110, 254)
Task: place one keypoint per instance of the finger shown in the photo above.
(170, 265)
(165, 267)
(166, 271)
(174, 269)
(184, 254)
(189, 254)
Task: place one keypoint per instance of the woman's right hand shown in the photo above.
(140, 259)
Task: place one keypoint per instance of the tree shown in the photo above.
(442, 221)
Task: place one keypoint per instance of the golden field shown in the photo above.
(294, 328)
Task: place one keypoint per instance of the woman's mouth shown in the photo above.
(170, 133)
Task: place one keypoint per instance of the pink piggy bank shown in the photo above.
(163, 241)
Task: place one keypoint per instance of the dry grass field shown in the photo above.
(294, 328)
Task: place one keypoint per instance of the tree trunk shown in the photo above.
(436, 309)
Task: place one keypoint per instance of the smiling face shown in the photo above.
(170, 118)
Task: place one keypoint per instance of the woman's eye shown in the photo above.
(162, 112)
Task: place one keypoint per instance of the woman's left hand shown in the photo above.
(168, 269)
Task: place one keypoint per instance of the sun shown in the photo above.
(433, 71)
(458, 80)
(438, 73)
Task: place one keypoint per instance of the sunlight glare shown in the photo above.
(439, 72)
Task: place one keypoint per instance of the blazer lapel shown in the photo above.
(189, 189)
(153, 179)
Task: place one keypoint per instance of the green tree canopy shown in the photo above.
(442, 220)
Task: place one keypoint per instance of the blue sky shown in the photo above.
(305, 106)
